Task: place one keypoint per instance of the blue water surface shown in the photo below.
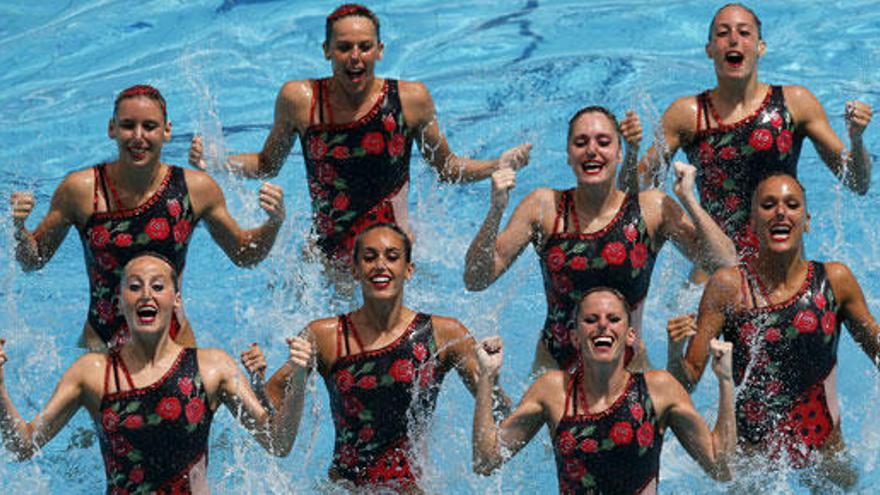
(500, 73)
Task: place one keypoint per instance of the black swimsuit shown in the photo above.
(354, 169)
(163, 224)
(380, 399)
(621, 255)
(732, 159)
(152, 437)
(614, 451)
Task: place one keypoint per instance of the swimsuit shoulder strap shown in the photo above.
(316, 97)
(571, 392)
(107, 183)
(324, 95)
(114, 362)
(101, 183)
(703, 110)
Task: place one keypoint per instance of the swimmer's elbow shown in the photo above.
(474, 283)
(485, 467)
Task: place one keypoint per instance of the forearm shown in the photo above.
(628, 179)
(255, 244)
(486, 451)
(677, 366)
(285, 424)
(27, 250)
(17, 433)
(250, 165)
(715, 250)
(858, 167)
(724, 434)
(479, 268)
(459, 169)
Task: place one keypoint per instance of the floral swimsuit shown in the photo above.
(382, 400)
(614, 451)
(782, 354)
(354, 169)
(163, 224)
(732, 159)
(152, 437)
(621, 255)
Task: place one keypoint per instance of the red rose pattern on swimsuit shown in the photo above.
(621, 255)
(162, 224)
(732, 159)
(382, 401)
(151, 437)
(782, 355)
(354, 169)
(614, 451)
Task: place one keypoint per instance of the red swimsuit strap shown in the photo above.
(326, 102)
(124, 370)
(343, 327)
(700, 104)
(114, 361)
(113, 193)
(571, 392)
(95, 201)
(570, 207)
(560, 211)
(316, 85)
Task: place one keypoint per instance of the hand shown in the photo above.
(631, 129)
(272, 202)
(197, 153)
(722, 359)
(515, 158)
(858, 116)
(685, 174)
(490, 355)
(302, 352)
(22, 204)
(254, 361)
(503, 180)
(681, 327)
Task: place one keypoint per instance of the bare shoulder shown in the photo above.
(447, 329)
(89, 364)
(659, 380)
(653, 198)
(726, 279)
(547, 387)
(794, 93)
(212, 358)
(77, 189)
(199, 182)
(840, 276)
(681, 113)
(413, 92)
(542, 200)
(296, 92)
(418, 106)
(324, 330)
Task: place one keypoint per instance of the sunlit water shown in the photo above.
(501, 73)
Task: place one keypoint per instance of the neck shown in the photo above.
(147, 350)
(136, 179)
(593, 199)
(383, 314)
(603, 380)
(779, 269)
(737, 91)
(353, 100)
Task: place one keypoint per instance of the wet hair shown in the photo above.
(159, 256)
(594, 109)
(348, 10)
(144, 90)
(407, 243)
(777, 173)
(609, 290)
(735, 4)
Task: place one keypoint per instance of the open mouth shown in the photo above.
(137, 152)
(780, 233)
(356, 75)
(380, 281)
(146, 314)
(734, 58)
(592, 168)
(603, 342)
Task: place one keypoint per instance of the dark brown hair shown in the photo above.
(144, 90)
(347, 10)
(735, 4)
(407, 243)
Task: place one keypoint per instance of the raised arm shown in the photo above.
(491, 253)
(631, 129)
(852, 166)
(457, 348)
(278, 144)
(24, 438)
(244, 247)
(854, 310)
(34, 249)
(677, 121)
(275, 432)
(712, 450)
(493, 444)
(717, 304)
(695, 233)
(421, 118)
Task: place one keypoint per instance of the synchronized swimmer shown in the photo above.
(771, 318)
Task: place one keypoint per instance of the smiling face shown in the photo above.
(779, 214)
(593, 148)
(140, 130)
(735, 44)
(353, 49)
(381, 263)
(148, 295)
(602, 331)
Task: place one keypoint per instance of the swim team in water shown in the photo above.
(769, 317)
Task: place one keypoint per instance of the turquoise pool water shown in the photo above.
(500, 73)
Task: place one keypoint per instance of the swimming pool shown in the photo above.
(500, 74)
